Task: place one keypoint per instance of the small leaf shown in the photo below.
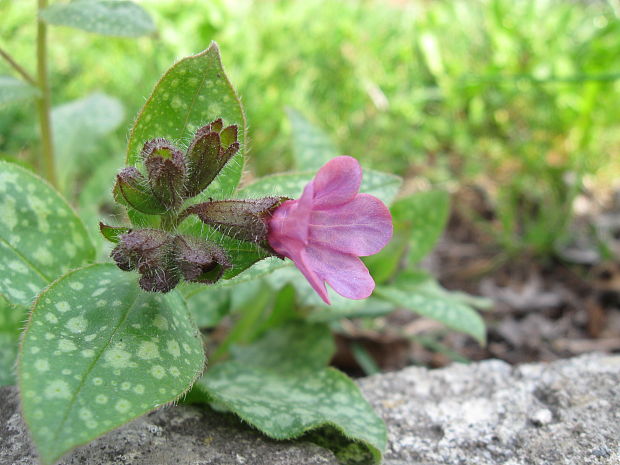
(109, 18)
(281, 386)
(192, 93)
(429, 300)
(423, 216)
(98, 352)
(112, 233)
(382, 185)
(41, 237)
(11, 321)
(13, 90)
(312, 148)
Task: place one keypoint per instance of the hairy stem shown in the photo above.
(17, 67)
(43, 101)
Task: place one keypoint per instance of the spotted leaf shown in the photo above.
(281, 386)
(98, 352)
(41, 237)
(312, 148)
(110, 18)
(428, 299)
(422, 217)
(11, 320)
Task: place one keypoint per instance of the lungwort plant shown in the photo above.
(108, 340)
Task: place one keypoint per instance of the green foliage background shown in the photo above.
(514, 94)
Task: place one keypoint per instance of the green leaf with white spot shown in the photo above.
(430, 300)
(208, 304)
(13, 90)
(11, 321)
(98, 352)
(312, 148)
(289, 348)
(382, 185)
(110, 18)
(191, 94)
(41, 237)
(281, 386)
(422, 217)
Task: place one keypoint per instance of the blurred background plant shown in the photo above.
(510, 106)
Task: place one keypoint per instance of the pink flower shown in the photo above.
(329, 227)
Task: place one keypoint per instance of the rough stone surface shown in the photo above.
(488, 413)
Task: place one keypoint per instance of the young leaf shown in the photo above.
(312, 148)
(110, 18)
(382, 185)
(40, 235)
(11, 320)
(98, 352)
(423, 216)
(190, 94)
(428, 300)
(112, 233)
(253, 385)
(14, 90)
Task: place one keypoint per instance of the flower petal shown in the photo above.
(295, 250)
(337, 182)
(361, 227)
(345, 273)
(291, 218)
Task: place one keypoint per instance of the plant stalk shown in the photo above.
(43, 101)
(17, 67)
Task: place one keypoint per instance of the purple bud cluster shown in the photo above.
(162, 256)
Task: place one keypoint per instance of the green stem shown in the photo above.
(43, 101)
(17, 67)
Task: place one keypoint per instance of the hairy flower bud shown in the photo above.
(142, 249)
(131, 189)
(165, 165)
(159, 280)
(241, 219)
(200, 261)
(150, 251)
(209, 151)
(163, 258)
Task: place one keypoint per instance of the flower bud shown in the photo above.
(142, 249)
(200, 261)
(150, 251)
(208, 153)
(165, 165)
(132, 190)
(159, 280)
(241, 219)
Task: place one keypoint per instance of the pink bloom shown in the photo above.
(329, 227)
